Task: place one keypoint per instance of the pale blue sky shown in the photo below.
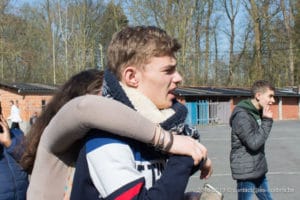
(21, 2)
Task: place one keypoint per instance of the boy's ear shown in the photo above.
(257, 96)
(130, 77)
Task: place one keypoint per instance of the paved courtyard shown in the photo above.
(283, 156)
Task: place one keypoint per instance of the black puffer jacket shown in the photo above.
(248, 137)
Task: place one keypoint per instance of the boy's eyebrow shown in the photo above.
(170, 66)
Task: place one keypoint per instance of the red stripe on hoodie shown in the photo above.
(129, 194)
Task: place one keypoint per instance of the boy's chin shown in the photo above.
(165, 105)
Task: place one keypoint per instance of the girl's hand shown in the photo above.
(206, 170)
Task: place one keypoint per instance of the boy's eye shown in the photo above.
(170, 70)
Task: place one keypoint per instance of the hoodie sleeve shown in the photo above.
(249, 132)
(165, 188)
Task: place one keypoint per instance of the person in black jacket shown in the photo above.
(251, 122)
(13, 179)
(142, 75)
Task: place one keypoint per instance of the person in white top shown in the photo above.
(14, 115)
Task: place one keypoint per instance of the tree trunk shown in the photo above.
(287, 24)
(257, 69)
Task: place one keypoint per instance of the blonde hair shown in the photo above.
(136, 45)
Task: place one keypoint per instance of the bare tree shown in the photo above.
(65, 32)
(184, 20)
(210, 5)
(288, 21)
(296, 31)
(231, 12)
(256, 20)
(60, 37)
(51, 37)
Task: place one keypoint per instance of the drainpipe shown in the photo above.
(299, 107)
(280, 108)
(299, 102)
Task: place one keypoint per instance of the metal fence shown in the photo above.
(204, 112)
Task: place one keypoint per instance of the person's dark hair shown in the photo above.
(85, 82)
(261, 86)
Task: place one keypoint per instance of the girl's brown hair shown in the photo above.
(85, 82)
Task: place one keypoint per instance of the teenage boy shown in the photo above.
(251, 122)
(142, 75)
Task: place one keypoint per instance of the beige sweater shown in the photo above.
(55, 155)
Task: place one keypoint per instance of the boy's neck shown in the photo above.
(256, 104)
(145, 106)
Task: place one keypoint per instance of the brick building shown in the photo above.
(208, 105)
(31, 98)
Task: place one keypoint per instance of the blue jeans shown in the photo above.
(259, 187)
